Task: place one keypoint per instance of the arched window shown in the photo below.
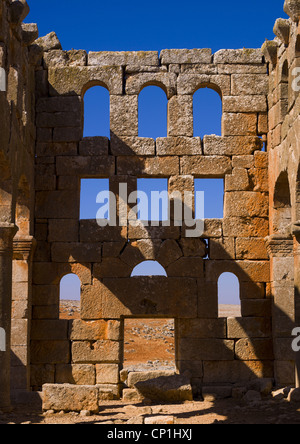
(69, 295)
(149, 268)
(207, 113)
(97, 112)
(282, 212)
(153, 112)
(229, 295)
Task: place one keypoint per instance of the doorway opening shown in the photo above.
(149, 344)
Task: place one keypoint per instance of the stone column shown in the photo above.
(296, 233)
(23, 247)
(280, 249)
(7, 232)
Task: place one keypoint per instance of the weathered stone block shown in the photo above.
(238, 56)
(59, 104)
(87, 331)
(169, 253)
(230, 146)
(57, 204)
(111, 268)
(75, 80)
(50, 352)
(248, 328)
(254, 349)
(79, 374)
(223, 248)
(94, 146)
(190, 349)
(180, 116)
(251, 249)
(90, 231)
(131, 146)
(249, 84)
(202, 328)
(178, 146)
(96, 351)
(186, 267)
(246, 204)
(166, 80)
(76, 252)
(239, 124)
(257, 308)
(124, 115)
(86, 166)
(246, 227)
(193, 247)
(244, 104)
(49, 330)
(123, 58)
(107, 374)
(189, 83)
(149, 166)
(183, 56)
(175, 388)
(208, 166)
(69, 397)
(63, 230)
(236, 371)
(238, 181)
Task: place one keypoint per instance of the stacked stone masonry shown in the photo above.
(44, 156)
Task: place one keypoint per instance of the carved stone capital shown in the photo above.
(7, 233)
(279, 245)
(23, 247)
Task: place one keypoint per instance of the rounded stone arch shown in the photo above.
(282, 208)
(284, 72)
(210, 85)
(149, 268)
(86, 116)
(156, 83)
(91, 84)
(229, 294)
(207, 110)
(157, 103)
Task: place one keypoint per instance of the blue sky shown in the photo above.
(135, 25)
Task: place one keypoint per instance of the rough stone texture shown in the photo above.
(70, 398)
(44, 156)
(174, 388)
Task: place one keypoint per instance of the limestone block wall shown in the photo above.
(283, 57)
(90, 350)
(17, 147)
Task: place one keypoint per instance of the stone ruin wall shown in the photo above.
(283, 56)
(17, 142)
(90, 350)
(215, 350)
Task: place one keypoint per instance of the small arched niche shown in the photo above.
(229, 300)
(282, 212)
(207, 105)
(153, 112)
(69, 297)
(96, 112)
(149, 268)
